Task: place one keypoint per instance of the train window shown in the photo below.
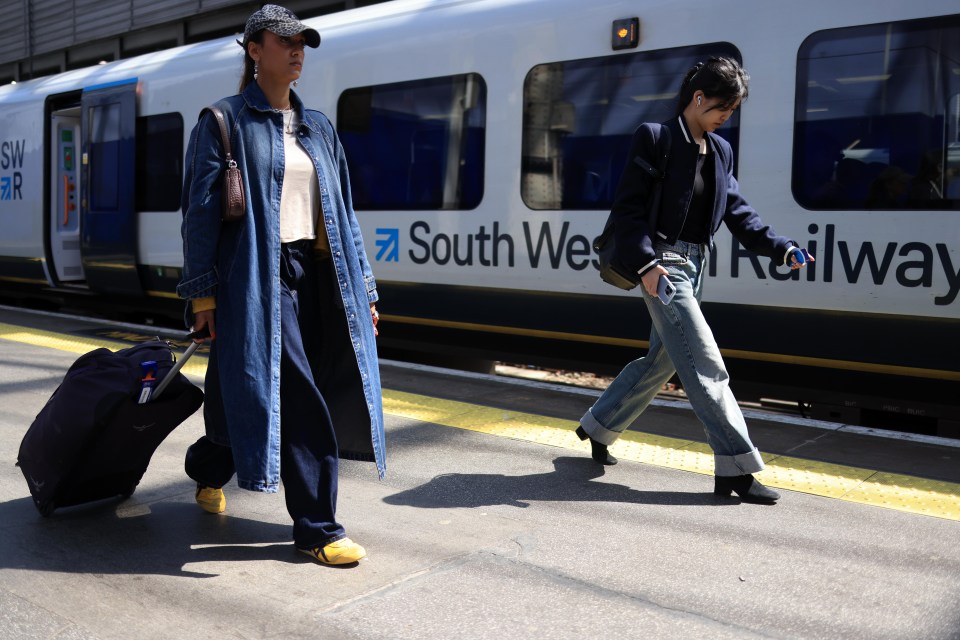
(159, 162)
(876, 124)
(579, 117)
(415, 145)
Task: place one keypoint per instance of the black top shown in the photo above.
(696, 227)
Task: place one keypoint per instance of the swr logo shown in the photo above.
(388, 245)
(10, 187)
(11, 157)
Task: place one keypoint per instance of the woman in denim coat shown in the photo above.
(288, 296)
(698, 194)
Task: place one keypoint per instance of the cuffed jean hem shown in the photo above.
(597, 431)
(258, 485)
(738, 465)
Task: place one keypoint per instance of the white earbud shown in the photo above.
(699, 100)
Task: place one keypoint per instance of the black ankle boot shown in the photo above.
(747, 487)
(598, 450)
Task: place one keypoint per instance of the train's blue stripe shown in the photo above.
(116, 83)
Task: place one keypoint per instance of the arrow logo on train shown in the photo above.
(388, 243)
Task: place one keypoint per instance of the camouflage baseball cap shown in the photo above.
(280, 21)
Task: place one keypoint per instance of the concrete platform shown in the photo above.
(476, 535)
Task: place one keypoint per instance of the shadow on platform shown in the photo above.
(113, 537)
(570, 481)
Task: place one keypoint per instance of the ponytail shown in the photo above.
(721, 78)
(248, 63)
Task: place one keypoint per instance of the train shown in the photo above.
(485, 140)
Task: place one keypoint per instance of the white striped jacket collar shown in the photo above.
(685, 129)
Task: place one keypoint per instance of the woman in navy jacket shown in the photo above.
(699, 192)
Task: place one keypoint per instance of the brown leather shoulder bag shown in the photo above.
(234, 204)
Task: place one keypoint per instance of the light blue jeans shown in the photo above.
(681, 341)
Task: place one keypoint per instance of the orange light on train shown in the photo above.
(626, 33)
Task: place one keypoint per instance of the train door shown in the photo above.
(64, 205)
(108, 217)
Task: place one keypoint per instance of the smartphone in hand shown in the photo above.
(801, 255)
(665, 289)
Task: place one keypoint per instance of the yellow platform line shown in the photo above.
(852, 484)
(197, 365)
(864, 486)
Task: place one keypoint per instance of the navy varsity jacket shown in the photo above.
(638, 230)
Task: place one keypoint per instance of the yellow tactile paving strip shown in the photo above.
(81, 344)
(865, 486)
(891, 491)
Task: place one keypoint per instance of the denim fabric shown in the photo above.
(209, 463)
(239, 264)
(308, 445)
(679, 340)
(309, 459)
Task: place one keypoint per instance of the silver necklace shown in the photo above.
(288, 124)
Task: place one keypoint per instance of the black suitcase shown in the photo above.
(94, 439)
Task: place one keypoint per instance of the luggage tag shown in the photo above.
(148, 378)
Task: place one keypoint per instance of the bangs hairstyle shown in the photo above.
(719, 78)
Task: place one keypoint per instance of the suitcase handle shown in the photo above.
(175, 369)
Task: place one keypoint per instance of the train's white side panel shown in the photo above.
(182, 80)
(548, 250)
(21, 171)
(503, 47)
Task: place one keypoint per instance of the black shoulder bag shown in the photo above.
(606, 245)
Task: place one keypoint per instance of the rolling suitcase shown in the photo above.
(95, 436)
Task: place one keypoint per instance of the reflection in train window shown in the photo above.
(877, 117)
(104, 168)
(579, 117)
(415, 145)
(159, 162)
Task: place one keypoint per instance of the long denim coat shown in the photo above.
(238, 262)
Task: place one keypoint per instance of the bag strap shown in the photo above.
(658, 172)
(663, 147)
(224, 136)
(653, 204)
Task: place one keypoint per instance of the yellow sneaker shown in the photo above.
(211, 500)
(343, 551)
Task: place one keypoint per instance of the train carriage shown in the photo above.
(485, 140)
